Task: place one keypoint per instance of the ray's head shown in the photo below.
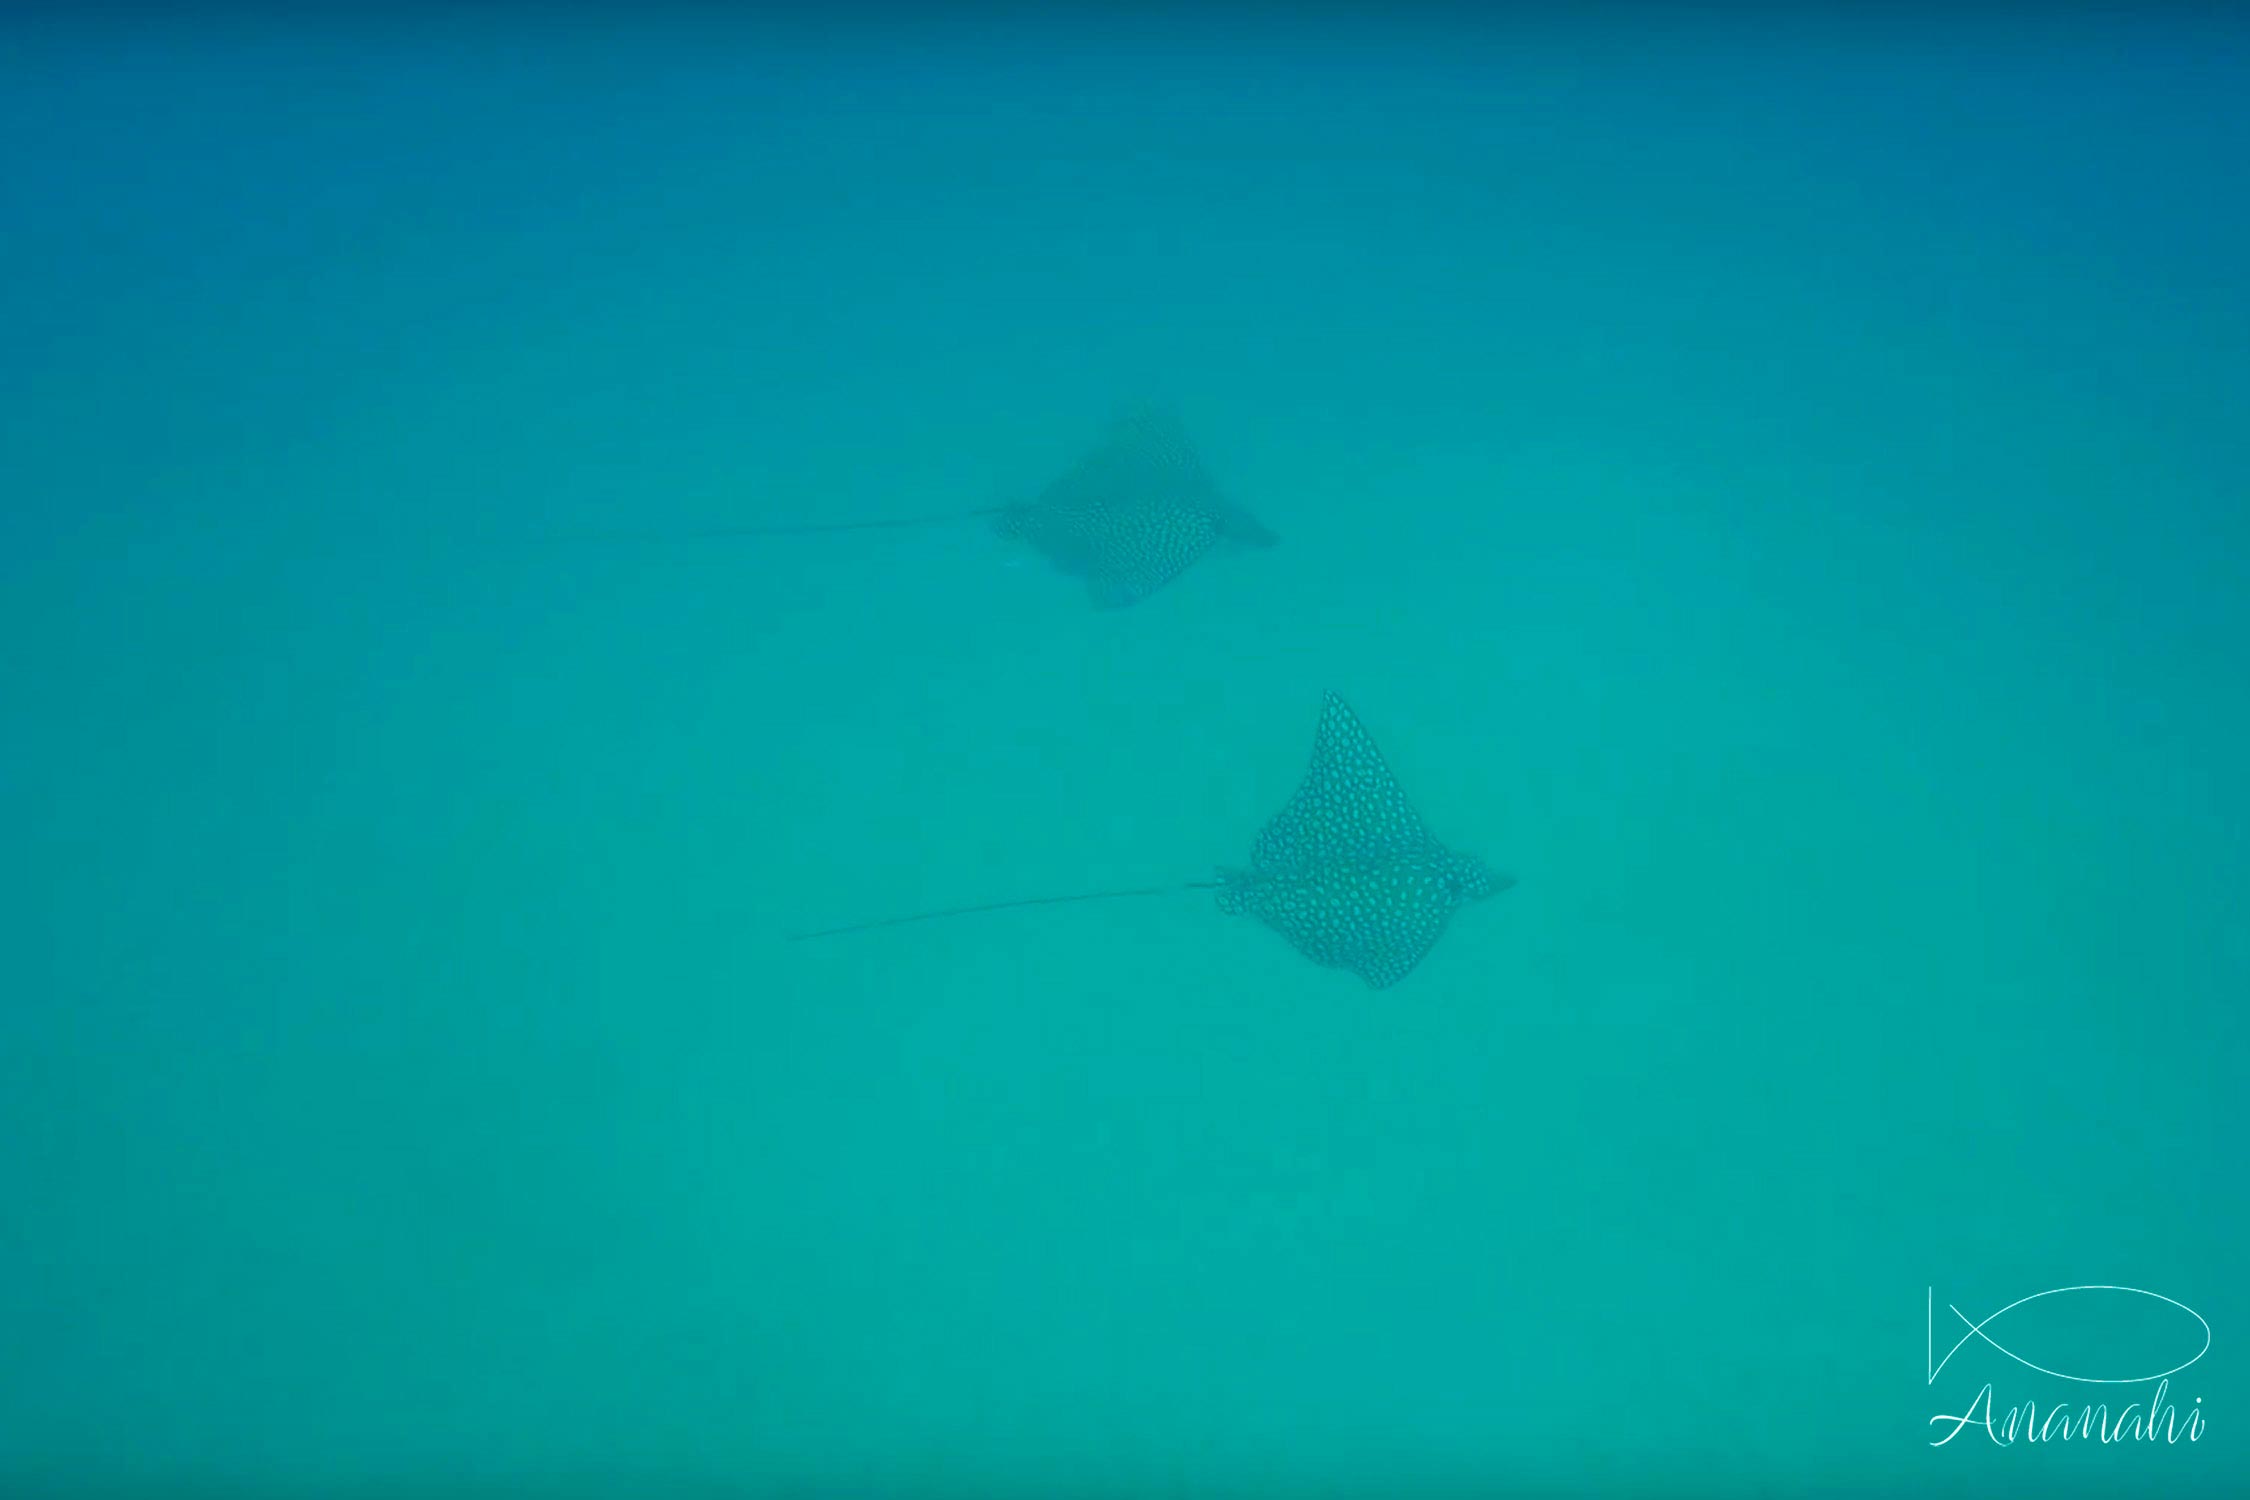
(1468, 878)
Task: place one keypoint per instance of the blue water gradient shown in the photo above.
(1776, 487)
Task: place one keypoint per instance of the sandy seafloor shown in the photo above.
(1776, 488)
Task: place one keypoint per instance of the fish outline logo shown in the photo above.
(1976, 1330)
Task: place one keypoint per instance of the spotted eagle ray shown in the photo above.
(1131, 516)
(1128, 517)
(1347, 872)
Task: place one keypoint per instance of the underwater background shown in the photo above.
(1775, 485)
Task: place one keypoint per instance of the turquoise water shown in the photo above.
(1777, 490)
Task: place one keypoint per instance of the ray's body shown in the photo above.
(1132, 515)
(1348, 873)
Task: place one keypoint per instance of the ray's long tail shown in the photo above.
(736, 533)
(964, 911)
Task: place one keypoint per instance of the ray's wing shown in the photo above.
(1145, 453)
(1153, 440)
(1348, 808)
(1147, 547)
(1376, 919)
